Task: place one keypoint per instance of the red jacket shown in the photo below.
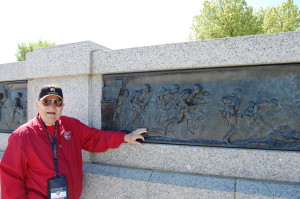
(27, 162)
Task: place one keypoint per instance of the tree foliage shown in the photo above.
(24, 48)
(230, 18)
(284, 18)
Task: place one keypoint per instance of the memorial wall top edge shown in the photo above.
(13, 71)
(76, 44)
(89, 58)
(62, 60)
(235, 51)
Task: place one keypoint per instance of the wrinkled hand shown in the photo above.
(134, 135)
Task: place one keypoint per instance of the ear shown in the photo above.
(37, 104)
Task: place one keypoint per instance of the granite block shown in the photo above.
(155, 184)
(99, 187)
(245, 50)
(61, 60)
(216, 161)
(13, 71)
(95, 104)
(163, 184)
(86, 156)
(107, 182)
(261, 189)
(4, 140)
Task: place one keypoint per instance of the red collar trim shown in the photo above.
(39, 124)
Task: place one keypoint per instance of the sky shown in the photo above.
(115, 24)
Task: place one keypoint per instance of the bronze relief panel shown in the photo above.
(248, 107)
(13, 105)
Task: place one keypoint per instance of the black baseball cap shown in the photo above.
(51, 90)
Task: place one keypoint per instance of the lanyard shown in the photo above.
(53, 145)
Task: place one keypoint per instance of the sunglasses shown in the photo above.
(57, 103)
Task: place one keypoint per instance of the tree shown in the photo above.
(24, 48)
(230, 18)
(225, 18)
(284, 18)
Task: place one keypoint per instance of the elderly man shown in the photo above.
(44, 156)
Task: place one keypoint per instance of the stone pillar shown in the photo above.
(68, 66)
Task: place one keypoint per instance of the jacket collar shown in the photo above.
(40, 127)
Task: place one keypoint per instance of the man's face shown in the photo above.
(50, 113)
(175, 90)
(197, 91)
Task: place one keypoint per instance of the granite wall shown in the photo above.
(162, 170)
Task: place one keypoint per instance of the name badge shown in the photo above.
(58, 188)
